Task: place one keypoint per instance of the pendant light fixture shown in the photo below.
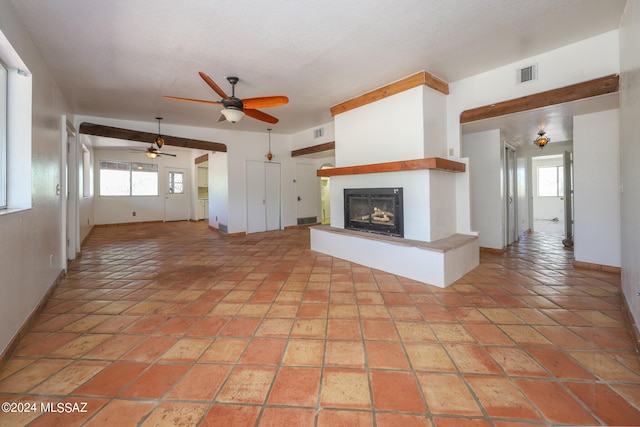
(159, 139)
(542, 139)
(159, 142)
(269, 155)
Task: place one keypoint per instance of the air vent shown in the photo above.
(317, 133)
(527, 74)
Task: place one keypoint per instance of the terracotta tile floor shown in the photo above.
(172, 324)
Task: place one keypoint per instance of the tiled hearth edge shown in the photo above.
(6, 354)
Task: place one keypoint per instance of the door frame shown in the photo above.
(552, 149)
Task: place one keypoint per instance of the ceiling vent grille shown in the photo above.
(527, 74)
(317, 133)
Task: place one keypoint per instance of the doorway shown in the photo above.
(71, 244)
(176, 197)
(306, 189)
(325, 196)
(511, 210)
(548, 194)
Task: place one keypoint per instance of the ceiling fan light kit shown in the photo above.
(232, 115)
(235, 108)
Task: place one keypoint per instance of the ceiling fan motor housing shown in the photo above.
(232, 102)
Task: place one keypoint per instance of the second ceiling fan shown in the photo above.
(235, 108)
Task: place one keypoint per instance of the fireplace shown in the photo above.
(374, 210)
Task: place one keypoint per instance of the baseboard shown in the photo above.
(597, 267)
(240, 234)
(127, 223)
(492, 250)
(13, 344)
(293, 227)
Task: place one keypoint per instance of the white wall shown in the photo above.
(241, 146)
(392, 129)
(31, 256)
(306, 138)
(596, 154)
(630, 149)
(218, 190)
(484, 151)
(442, 204)
(119, 210)
(434, 106)
(85, 203)
(522, 179)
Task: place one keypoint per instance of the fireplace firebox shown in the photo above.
(374, 210)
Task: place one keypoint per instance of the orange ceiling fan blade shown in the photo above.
(265, 102)
(259, 115)
(213, 85)
(199, 101)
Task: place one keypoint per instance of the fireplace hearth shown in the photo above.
(374, 210)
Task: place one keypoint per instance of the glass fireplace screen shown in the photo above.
(377, 210)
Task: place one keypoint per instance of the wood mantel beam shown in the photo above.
(421, 78)
(134, 135)
(595, 87)
(433, 163)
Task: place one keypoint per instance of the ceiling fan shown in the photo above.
(154, 149)
(235, 108)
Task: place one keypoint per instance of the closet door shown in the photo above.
(256, 197)
(272, 191)
(263, 196)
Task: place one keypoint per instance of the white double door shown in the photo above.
(263, 196)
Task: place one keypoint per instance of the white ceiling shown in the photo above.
(117, 58)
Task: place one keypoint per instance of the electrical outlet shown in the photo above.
(134, 213)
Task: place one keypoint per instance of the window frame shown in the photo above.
(4, 87)
(559, 181)
(130, 170)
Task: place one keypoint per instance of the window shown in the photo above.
(550, 181)
(128, 179)
(176, 183)
(3, 137)
(16, 99)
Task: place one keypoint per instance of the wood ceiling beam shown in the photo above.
(421, 78)
(149, 138)
(314, 149)
(202, 159)
(595, 87)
